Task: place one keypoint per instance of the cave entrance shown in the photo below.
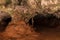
(44, 22)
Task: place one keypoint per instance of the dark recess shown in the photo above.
(19, 2)
(5, 19)
(41, 21)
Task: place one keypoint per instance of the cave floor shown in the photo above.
(21, 31)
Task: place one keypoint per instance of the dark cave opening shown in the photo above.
(4, 23)
(48, 21)
(5, 19)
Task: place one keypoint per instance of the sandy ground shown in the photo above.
(21, 31)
